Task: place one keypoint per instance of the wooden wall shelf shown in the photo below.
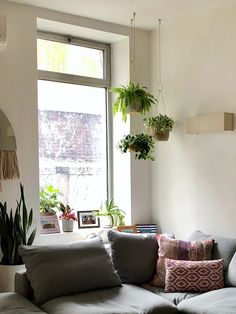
(212, 122)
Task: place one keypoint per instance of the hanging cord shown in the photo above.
(160, 97)
(132, 48)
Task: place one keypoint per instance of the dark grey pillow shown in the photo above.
(134, 256)
(223, 247)
(59, 270)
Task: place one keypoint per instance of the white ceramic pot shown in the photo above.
(7, 277)
(67, 225)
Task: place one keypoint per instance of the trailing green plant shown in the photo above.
(130, 95)
(49, 202)
(160, 123)
(15, 229)
(117, 215)
(142, 144)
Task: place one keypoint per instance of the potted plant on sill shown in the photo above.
(15, 229)
(114, 213)
(49, 202)
(141, 144)
(160, 125)
(49, 205)
(132, 98)
(68, 218)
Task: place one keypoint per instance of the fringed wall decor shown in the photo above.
(8, 159)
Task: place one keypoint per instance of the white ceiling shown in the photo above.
(120, 11)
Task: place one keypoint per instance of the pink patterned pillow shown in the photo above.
(194, 276)
(179, 250)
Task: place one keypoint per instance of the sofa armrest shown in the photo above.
(22, 285)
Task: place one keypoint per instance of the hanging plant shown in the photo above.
(160, 125)
(132, 98)
(141, 144)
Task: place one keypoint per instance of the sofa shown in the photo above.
(83, 278)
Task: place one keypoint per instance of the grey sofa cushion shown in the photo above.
(134, 256)
(22, 285)
(66, 269)
(223, 248)
(175, 297)
(13, 303)
(230, 276)
(222, 301)
(127, 299)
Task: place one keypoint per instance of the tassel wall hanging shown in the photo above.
(8, 159)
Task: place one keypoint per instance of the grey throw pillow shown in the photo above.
(134, 256)
(224, 248)
(59, 270)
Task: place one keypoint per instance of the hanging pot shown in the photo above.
(67, 225)
(161, 136)
(134, 148)
(133, 108)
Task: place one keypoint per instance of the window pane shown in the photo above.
(70, 59)
(72, 142)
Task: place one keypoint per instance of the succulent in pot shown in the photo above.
(132, 98)
(141, 144)
(160, 125)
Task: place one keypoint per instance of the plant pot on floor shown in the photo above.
(7, 277)
(67, 225)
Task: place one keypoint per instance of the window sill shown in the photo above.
(65, 237)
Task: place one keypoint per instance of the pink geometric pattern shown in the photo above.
(179, 250)
(194, 276)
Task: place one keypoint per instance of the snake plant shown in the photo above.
(15, 229)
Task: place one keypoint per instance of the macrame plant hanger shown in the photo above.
(8, 159)
(132, 48)
(160, 96)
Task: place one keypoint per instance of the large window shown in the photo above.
(73, 119)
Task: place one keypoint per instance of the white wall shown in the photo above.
(140, 169)
(193, 180)
(18, 100)
(18, 97)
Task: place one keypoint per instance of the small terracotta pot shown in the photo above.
(161, 136)
(132, 109)
(133, 148)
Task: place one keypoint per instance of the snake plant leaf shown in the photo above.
(24, 209)
(31, 237)
(14, 228)
(30, 219)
